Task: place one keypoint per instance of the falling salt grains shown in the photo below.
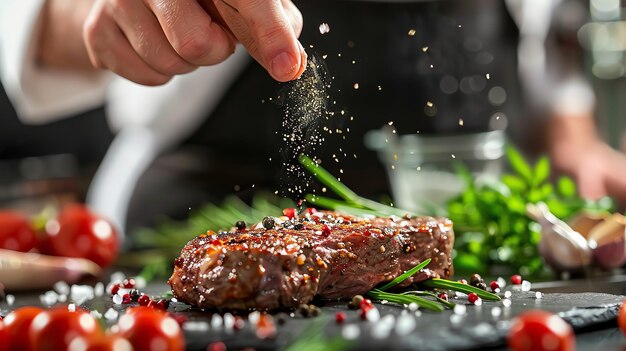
(411, 32)
(538, 295)
(356, 86)
(405, 325)
(429, 104)
(461, 122)
(10, 299)
(111, 314)
(526, 285)
(488, 76)
(350, 331)
(453, 156)
(425, 48)
(507, 294)
(324, 28)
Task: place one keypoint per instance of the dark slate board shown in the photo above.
(591, 314)
(434, 331)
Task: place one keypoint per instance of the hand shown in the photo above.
(150, 41)
(577, 150)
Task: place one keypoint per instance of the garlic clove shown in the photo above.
(585, 221)
(30, 271)
(608, 242)
(561, 247)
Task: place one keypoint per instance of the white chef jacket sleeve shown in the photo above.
(39, 94)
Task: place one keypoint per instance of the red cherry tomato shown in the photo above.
(148, 329)
(538, 330)
(17, 324)
(4, 337)
(16, 232)
(621, 317)
(59, 328)
(78, 232)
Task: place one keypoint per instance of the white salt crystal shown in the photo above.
(110, 314)
(117, 277)
(95, 314)
(196, 326)
(62, 298)
(61, 288)
(372, 315)
(478, 302)
(10, 299)
(117, 299)
(379, 331)
(98, 290)
(254, 317)
(216, 322)
(507, 294)
(526, 285)
(413, 306)
(350, 331)
(506, 303)
(405, 325)
(71, 307)
(501, 282)
(229, 321)
(538, 295)
(456, 319)
(81, 293)
(496, 312)
(460, 310)
(49, 298)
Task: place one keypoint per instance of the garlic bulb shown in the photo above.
(562, 247)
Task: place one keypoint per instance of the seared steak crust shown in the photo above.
(324, 253)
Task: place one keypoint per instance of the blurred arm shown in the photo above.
(40, 60)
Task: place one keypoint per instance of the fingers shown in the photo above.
(191, 32)
(108, 48)
(267, 31)
(294, 15)
(144, 33)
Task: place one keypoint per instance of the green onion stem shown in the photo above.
(405, 299)
(327, 179)
(405, 275)
(439, 283)
(428, 293)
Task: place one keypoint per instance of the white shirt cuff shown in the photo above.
(40, 95)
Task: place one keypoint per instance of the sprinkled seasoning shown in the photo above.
(268, 222)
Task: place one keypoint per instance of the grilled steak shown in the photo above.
(323, 253)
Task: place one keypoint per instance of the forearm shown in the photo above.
(61, 43)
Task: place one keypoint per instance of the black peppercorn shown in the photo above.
(475, 278)
(241, 225)
(268, 222)
(298, 226)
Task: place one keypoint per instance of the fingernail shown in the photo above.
(283, 66)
